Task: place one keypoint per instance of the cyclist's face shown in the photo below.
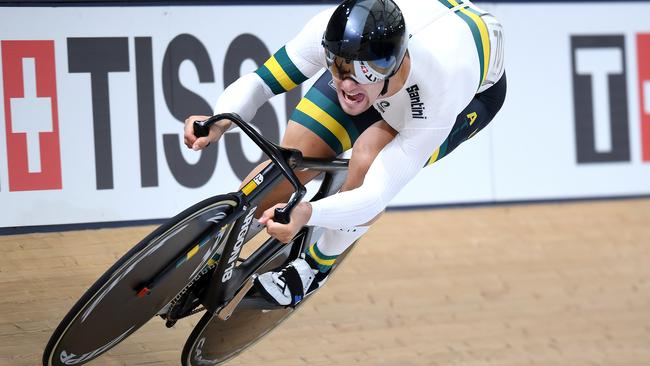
(355, 98)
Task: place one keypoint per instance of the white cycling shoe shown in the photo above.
(291, 284)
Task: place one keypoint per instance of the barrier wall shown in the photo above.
(93, 99)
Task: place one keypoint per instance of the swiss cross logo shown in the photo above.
(31, 117)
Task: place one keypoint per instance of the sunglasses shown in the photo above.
(363, 72)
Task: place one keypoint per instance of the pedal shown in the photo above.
(170, 323)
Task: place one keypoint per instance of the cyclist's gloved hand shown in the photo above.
(199, 143)
(284, 233)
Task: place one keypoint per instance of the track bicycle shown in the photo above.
(193, 263)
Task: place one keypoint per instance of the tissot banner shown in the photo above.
(93, 100)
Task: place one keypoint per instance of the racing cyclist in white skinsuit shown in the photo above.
(405, 83)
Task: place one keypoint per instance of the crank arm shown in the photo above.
(225, 312)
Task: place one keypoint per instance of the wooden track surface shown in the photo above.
(552, 284)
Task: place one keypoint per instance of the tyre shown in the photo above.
(214, 341)
(111, 309)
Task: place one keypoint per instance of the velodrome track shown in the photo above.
(545, 284)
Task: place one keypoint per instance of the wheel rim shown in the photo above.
(114, 307)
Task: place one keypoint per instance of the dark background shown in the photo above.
(231, 2)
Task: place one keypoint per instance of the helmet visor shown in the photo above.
(363, 72)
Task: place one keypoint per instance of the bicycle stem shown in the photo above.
(285, 159)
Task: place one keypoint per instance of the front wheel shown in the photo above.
(111, 309)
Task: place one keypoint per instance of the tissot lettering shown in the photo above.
(146, 112)
(417, 107)
(238, 244)
(600, 98)
(183, 102)
(33, 148)
(266, 119)
(99, 57)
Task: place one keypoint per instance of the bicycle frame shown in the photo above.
(227, 278)
(192, 260)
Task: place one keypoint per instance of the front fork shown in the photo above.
(225, 280)
(270, 255)
(229, 283)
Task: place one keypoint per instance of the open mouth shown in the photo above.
(353, 98)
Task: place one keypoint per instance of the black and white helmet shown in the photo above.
(369, 34)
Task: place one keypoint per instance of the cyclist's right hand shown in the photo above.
(198, 143)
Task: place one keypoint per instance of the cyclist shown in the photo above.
(403, 86)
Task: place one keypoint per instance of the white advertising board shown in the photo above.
(529, 151)
(93, 100)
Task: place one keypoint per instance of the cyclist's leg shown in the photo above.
(365, 150)
(376, 133)
(478, 114)
(334, 242)
(320, 112)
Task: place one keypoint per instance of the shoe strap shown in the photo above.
(293, 281)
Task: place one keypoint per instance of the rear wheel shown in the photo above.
(214, 341)
(111, 309)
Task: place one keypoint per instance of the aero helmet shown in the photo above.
(368, 35)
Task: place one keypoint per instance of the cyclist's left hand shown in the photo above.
(285, 232)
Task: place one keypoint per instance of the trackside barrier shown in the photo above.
(94, 98)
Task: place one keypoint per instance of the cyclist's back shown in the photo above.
(450, 61)
(406, 83)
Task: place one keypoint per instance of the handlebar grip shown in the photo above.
(281, 157)
(200, 129)
(282, 215)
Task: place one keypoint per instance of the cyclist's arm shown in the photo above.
(401, 159)
(398, 162)
(298, 60)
